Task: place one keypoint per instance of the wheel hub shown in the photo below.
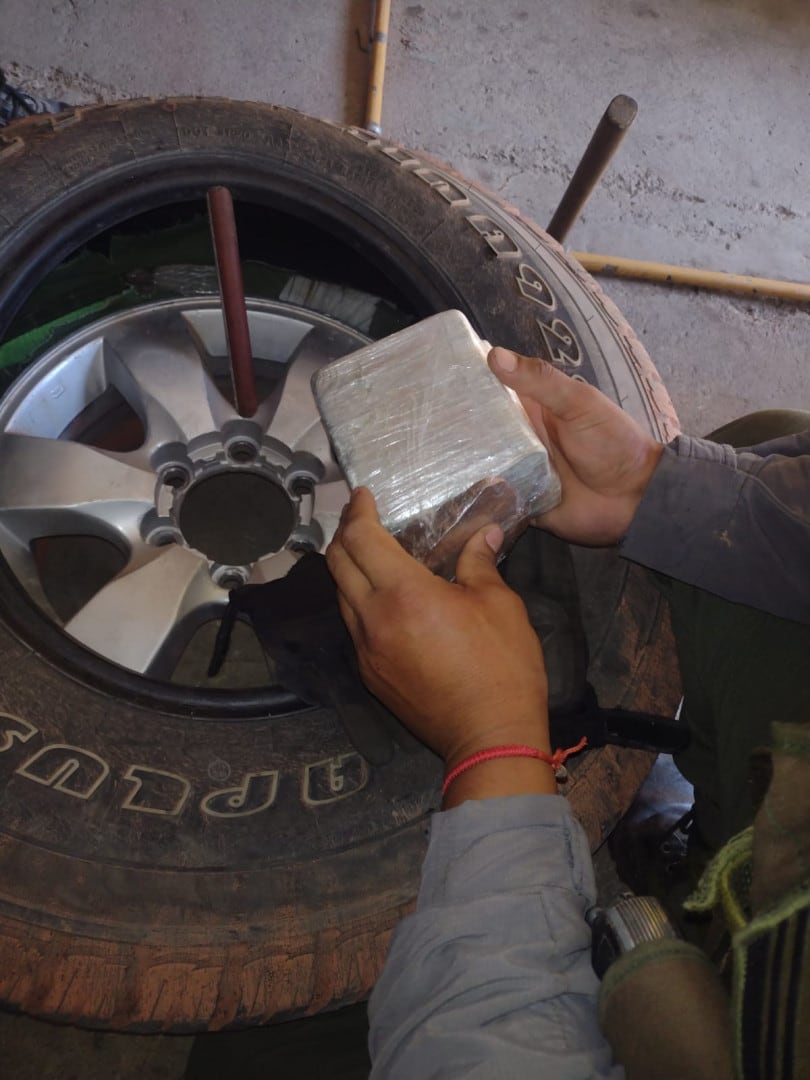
(236, 517)
(235, 499)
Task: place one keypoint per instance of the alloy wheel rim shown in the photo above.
(168, 362)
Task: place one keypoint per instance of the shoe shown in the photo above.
(16, 104)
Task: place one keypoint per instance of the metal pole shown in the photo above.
(379, 46)
(610, 131)
(232, 292)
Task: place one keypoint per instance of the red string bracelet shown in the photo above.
(555, 760)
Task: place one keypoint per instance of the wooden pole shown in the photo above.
(379, 46)
(614, 266)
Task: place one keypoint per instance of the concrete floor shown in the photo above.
(713, 174)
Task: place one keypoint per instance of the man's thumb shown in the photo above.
(536, 379)
(476, 563)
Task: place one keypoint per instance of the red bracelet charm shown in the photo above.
(555, 760)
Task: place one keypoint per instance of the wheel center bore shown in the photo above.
(236, 517)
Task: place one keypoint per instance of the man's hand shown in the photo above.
(459, 664)
(605, 460)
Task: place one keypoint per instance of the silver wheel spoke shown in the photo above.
(329, 502)
(21, 562)
(51, 486)
(295, 416)
(142, 618)
(316, 442)
(272, 567)
(162, 376)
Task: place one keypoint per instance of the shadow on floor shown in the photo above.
(36, 1050)
(327, 1047)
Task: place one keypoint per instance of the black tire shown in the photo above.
(178, 861)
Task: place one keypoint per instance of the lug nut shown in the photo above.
(302, 485)
(304, 546)
(230, 581)
(242, 451)
(175, 477)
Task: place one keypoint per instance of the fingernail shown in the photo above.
(506, 360)
(494, 538)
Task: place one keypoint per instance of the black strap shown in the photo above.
(642, 731)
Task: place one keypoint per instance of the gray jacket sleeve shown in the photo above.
(736, 523)
(491, 978)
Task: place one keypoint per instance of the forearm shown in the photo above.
(491, 977)
(734, 523)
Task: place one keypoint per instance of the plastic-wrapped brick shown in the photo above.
(444, 447)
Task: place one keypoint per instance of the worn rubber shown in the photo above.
(161, 872)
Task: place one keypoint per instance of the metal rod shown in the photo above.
(665, 273)
(232, 292)
(379, 47)
(605, 141)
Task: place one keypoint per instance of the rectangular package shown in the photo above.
(444, 447)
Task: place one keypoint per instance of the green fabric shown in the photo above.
(94, 275)
(771, 954)
(137, 268)
(770, 969)
(726, 883)
(762, 426)
(19, 350)
(759, 882)
(771, 993)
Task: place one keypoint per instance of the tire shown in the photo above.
(176, 861)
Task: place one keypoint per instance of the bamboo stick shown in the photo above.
(614, 266)
(379, 46)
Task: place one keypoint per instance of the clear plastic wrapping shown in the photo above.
(444, 447)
